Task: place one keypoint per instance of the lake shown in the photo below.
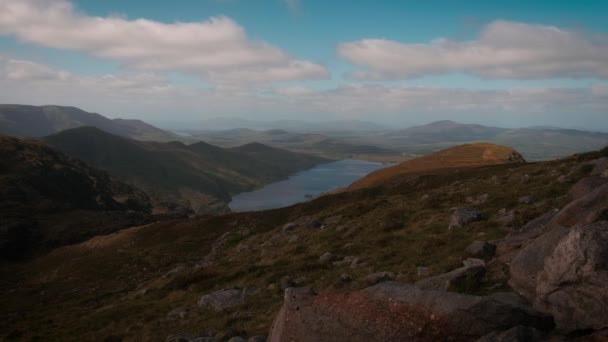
(302, 185)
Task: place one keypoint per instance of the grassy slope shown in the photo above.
(468, 155)
(123, 285)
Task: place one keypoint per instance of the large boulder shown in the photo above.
(396, 312)
(586, 209)
(586, 186)
(573, 284)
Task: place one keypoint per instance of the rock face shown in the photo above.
(585, 186)
(573, 285)
(397, 312)
(225, 299)
(462, 216)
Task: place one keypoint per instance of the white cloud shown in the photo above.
(149, 96)
(213, 48)
(504, 49)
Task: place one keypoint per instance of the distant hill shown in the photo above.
(312, 143)
(198, 177)
(469, 155)
(48, 199)
(39, 121)
(228, 123)
(534, 143)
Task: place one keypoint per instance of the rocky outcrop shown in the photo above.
(585, 186)
(573, 283)
(397, 312)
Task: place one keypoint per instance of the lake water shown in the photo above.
(313, 182)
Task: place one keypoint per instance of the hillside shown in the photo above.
(226, 275)
(533, 143)
(38, 121)
(48, 199)
(178, 177)
(463, 156)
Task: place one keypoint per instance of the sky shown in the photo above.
(398, 63)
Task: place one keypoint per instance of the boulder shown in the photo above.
(225, 299)
(584, 210)
(462, 216)
(481, 249)
(465, 278)
(326, 258)
(396, 312)
(528, 199)
(573, 284)
(600, 165)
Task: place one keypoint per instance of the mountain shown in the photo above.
(311, 143)
(178, 177)
(533, 143)
(39, 121)
(462, 156)
(452, 251)
(48, 200)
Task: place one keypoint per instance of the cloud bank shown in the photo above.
(504, 49)
(216, 49)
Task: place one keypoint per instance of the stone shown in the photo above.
(375, 278)
(345, 278)
(178, 313)
(397, 312)
(573, 284)
(289, 227)
(332, 220)
(563, 179)
(326, 258)
(525, 178)
(584, 210)
(604, 174)
(462, 216)
(241, 247)
(528, 199)
(519, 333)
(466, 278)
(293, 239)
(225, 299)
(600, 166)
(481, 249)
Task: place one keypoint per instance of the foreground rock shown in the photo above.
(397, 312)
(463, 216)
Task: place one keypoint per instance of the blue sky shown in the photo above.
(512, 63)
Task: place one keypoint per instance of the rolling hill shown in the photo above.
(38, 121)
(462, 156)
(48, 200)
(178, 177)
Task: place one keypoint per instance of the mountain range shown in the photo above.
(38, 121)
(199, 178)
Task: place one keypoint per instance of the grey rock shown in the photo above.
(573, 283)
(326, 258)
(178, 313)
(241, 247)
(289, 227)
(225, 299)
(462, 216)
(332, 220)
(600, 166)
(293, 239)
(422, 271)
(585, 186)
(528, 199)
(525, 178)
(481, 249)
(563, 179)
(375, 278)
(519, 333)
(467, 277)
